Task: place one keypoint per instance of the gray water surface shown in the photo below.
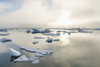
(75, 50)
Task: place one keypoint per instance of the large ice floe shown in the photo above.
(34, 59)
(3, 40)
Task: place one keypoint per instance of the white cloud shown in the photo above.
(40, 13)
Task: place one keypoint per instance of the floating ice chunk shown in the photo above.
(37, 50)
(28, 31)
(41, 31)
(3, 40)
(38, 55)
(4, 33)
(29, 49)
(51, 34)
(15, 53)
(3, 30)
(36, 31)
(45, 31)
(38, 38)
(21, 58)
(36, 62)
(35, 42)
(44, 52)
(49, 40)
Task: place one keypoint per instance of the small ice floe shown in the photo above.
(51, 34)
(35, 42)
(35, 31)
(38, 55)
(56, 39)
(29, 49)
(36, 62)
(49, 40)
(45, 31)
(21, 58)
(3, 40)
(28, 31)
(34, 50)
(15, 53)
(38, 37)
(44, 52)
(3, 30)
(40, 31)
(4, 33)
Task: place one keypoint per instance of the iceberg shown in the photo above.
(45, 31)
(15, 53)
(40, 31)
(35, 42)
(49, 40)
(28, 31)
(36, 31)
(3, 30)
(3, 40)
(21, 58)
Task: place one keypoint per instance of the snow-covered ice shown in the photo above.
(14, 52)
(38, 55)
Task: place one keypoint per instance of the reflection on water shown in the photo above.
(75, 50)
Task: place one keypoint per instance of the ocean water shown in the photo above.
(75, 50)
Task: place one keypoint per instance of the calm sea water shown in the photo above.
(75, 50)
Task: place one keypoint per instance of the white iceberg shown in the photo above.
(21, 58)
(35, 42)
(3, 40)
(15, 53)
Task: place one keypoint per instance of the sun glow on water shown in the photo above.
(64, 39)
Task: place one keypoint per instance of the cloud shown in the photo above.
(41, 13)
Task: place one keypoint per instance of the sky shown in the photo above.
(49, 13)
